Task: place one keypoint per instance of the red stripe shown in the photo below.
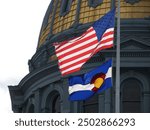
(77, 42)
(78, 49)
(75, 57)
(102, 48)
(78, 38)
(80, 55)
(71, 71)
(77, 69)
(107, 34)
(106, 40)
(74, 64)
(84, 60)
(60, 44)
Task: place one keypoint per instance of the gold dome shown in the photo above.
(58, 21)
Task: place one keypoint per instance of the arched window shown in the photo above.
(95, 3)
(56, 104)
(53, 102)
(65, 7)
(131, 96)
(91, 105)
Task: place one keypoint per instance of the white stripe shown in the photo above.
(106, 44)
(84, 50)
(77, 53)
(74, 61)
(75, 40)
(109, 30)
(107, 37)
(109, 73)
(79, 65)
(79, 87)
(72, 68)
(77, 46)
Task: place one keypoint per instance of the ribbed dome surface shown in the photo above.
(64, 14)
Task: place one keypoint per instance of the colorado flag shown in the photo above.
(82, 87)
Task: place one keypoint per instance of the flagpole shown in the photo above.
(117, 98)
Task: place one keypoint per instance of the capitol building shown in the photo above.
(44, 90)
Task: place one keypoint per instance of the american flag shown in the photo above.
(72, 54)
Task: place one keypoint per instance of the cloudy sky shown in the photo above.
(20, 23)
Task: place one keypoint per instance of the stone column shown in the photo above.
(37, 101)
(74, 107)
(66, 102)
(101, 103)
(146, 103)
(107, 101)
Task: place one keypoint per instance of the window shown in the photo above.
(53, 104)
(131, 96)
(65, 7)
(56, 104)
(91, 105)
(132, 1)
(95, 3)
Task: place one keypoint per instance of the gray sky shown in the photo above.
(20, 23)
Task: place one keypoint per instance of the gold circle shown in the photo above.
(98, 82)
